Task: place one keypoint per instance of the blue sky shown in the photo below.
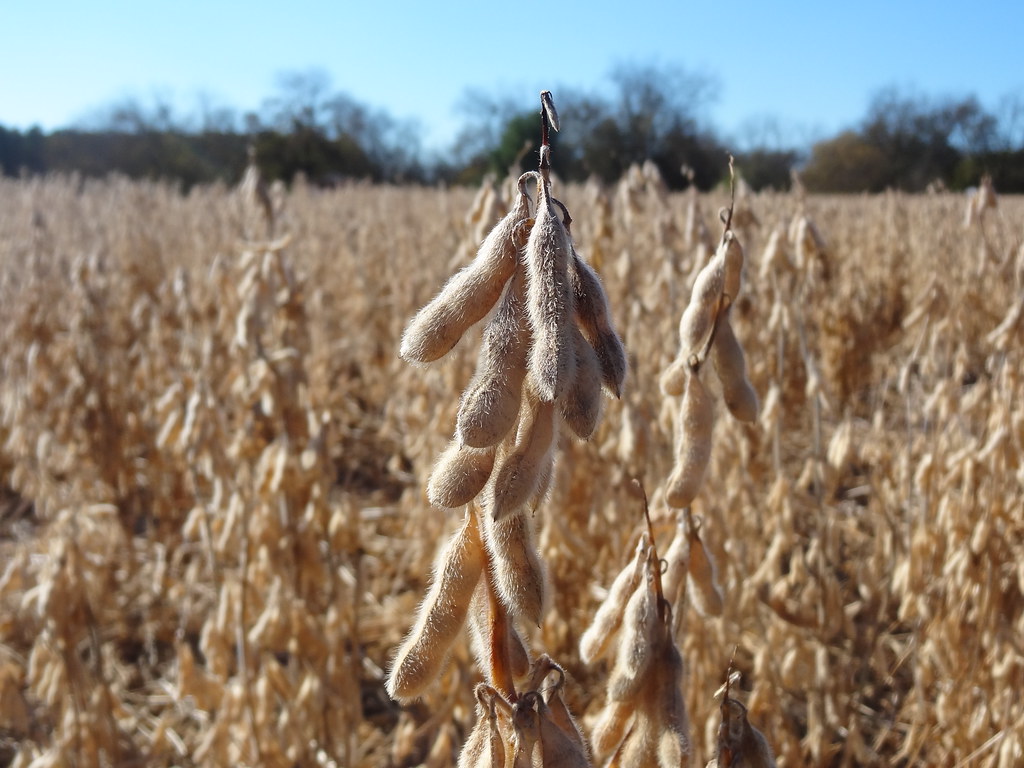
(812, 67)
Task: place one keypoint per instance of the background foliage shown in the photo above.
(905, 141)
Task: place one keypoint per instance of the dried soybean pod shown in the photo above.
(547, 472)
(471, 292)
(552, 359)
(640, 624)
(548, 105)
(693, 444)
(707, 595)
(441, 615)
(476, 747)
(740, 743)
(595, 641)
(640, 747)
(665, 706)
(698, 320)
(557, 747)
(518, 474)
(484, 747)
(673, 748)
(519, 656)
(490, 403)
(731, 367)
(673, 580)
(477, 621)
(732, 257)
(552, 694)
(595, 321)
(563, 717)
(498, 748)
(673, 378)
(526, 729)
(580, 404)
(517, 568)
(611, 726)
(459, 475)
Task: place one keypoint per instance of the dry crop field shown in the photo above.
(214, 526)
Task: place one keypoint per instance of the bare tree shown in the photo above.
(301, 100)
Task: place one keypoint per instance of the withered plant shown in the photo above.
(547, 351)
(213, 532)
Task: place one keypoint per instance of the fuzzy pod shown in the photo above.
(640, 626)
(459, 474)
(517, 477)
(706, 594)
(732, 258)
(553, 700)
(673, 748)
(597, 639)
(490, 404)
(526, 731)
(548, 105)
(558, 748)
(693, 444)
(580, 404)
(563, 718)
(698, 320)
(442, 614)
(470, 293)
(549, 299)
(595, 321)
(484, 747)
(676, 557)
(731, 367)
(640, 747)
(673, 378)
(544, 478)
(739, 742)
(518, 653)
(518, 571)
(611, 726)
(478, 623)
(663, 705)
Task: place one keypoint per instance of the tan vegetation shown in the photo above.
(215, 529)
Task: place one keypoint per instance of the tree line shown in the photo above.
(905, 141)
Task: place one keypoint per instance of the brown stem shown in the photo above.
(548, 120)
(501, 666)
(725, 755)
(653, 553)
(725, 214)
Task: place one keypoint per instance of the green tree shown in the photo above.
(308, 151)
(847, 163)
(22, 153)
(764, 168)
